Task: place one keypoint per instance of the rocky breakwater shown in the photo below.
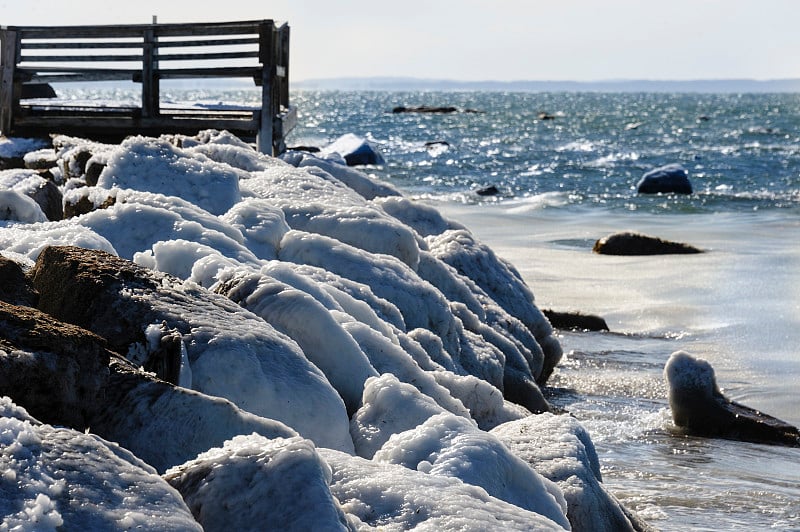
(217, 338)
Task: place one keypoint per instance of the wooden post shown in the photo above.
(150, 85)
(266, 57)
(9, 44)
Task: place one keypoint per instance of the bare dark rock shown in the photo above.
(93, 171)
(671, 178)
(9, 163)
(64, 375)
(575, 321)
(628, 243)
(56, 371)
(15, 287)
(83, 205)
(307, 149)
(49, 198)
(425, 109)
(83, 287)
(490, 190)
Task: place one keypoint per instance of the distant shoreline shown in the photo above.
(417, 84)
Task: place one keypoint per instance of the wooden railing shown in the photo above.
(35, 57)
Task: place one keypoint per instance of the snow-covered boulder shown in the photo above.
(368, 187)
(32, 184)
(154, 165)
(356, 151)
(502, 283)
(314, 201)
(446, 445)
(63, 479)
(560, 449)
(255, 483)
(396, 498)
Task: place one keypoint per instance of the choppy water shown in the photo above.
(569, 180)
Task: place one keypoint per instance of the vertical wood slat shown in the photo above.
(150, 84)
(265, 140)
(9, 91)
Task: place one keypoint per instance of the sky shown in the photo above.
(477, 40)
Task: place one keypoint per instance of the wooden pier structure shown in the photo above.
(33, 58)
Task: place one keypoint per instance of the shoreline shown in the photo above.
(692, 299)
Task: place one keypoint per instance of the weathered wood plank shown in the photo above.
(9, 43)
(75, 53)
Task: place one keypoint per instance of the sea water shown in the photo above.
(565, 166)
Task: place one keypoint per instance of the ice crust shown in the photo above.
(365, 336)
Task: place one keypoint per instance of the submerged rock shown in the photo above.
(699, 408)
(665, 179)
(628, 243)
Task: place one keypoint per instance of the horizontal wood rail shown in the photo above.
(32, 56)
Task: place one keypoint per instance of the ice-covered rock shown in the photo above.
(699, 407)
(395, 498)
(65, 376)
(560, 449)
(450, 446)
(314, 201)
(31, 184)
(154, 165)
(62, 479)
(368, 187)
(502, 283)
(231, 352)
(255, 483)
(357, 151)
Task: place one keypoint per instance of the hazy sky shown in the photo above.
(489, 40)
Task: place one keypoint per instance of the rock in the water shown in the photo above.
(699, 408)
(425, 109)
(560, 449)
(356, 150)
(575, 321)
(666, 179)
(490, 190)
(629, 243)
